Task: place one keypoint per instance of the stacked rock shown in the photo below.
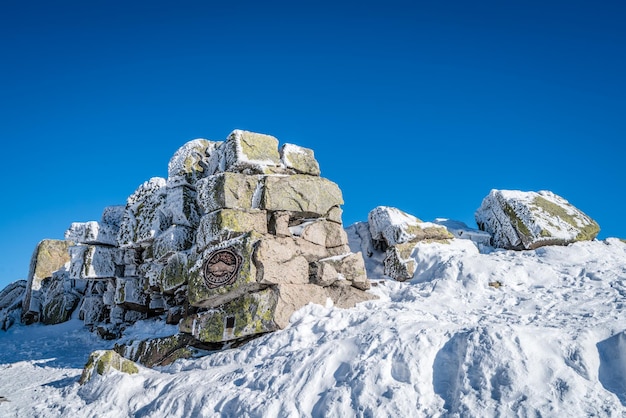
(238, 237)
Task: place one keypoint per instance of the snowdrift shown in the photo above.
(475, 333)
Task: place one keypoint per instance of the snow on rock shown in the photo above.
(143, 217)
(103, 232)
(246, 152)
(11, 299)
(396, 232)
(391, 226)
(102, 362)
(300, 159)
(525, 220)
(462, 231)
(190, 162)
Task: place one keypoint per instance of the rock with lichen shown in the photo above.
(526, 220)
(143, 216)
(103, 362)
(49, 256)
(239, 236)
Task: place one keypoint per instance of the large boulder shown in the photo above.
(390, 226)
(49, 256)
(307, 196)
(229, 191)
(246, 152)
(396, 233)
(526, 220)
(225, 224)
(181, 206)
(174, 239)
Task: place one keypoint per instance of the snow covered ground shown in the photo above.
(498, 333)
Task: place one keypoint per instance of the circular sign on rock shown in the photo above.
(221, 268)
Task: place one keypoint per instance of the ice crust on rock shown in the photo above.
(190, 162)
(526, 220)
(396, 233)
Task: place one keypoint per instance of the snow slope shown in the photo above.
(548, 342)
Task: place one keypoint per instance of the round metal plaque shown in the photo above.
(221, 268)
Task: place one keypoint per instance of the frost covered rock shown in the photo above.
(390, 226)
(229, 191)
(304, 195)
(175, 273)
(130, 294)
(391, 235)
(301, 160)
(398, 262)
(246, 315)
(103, 362)
(190, 162)
(158, 351)
(143, 216)
(225, 224)
(246, 152)
(11, 299)
(49, 256)
(93, 261)
(181, 206)
(174, 239)
(103, 232)
(527, 220)
(59, 298)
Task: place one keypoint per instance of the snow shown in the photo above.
(461, 230)
(549, 341)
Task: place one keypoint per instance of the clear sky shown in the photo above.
(425, 106)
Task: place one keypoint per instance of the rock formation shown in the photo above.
(239, 236)
(396, 233)
(527, 220)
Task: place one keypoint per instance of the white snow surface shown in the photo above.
(548, 342)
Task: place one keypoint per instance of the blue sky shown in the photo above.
(425, 106)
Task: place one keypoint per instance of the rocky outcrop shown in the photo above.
(49, 256)
(239, 236)
(527, 220)
(397, 233)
